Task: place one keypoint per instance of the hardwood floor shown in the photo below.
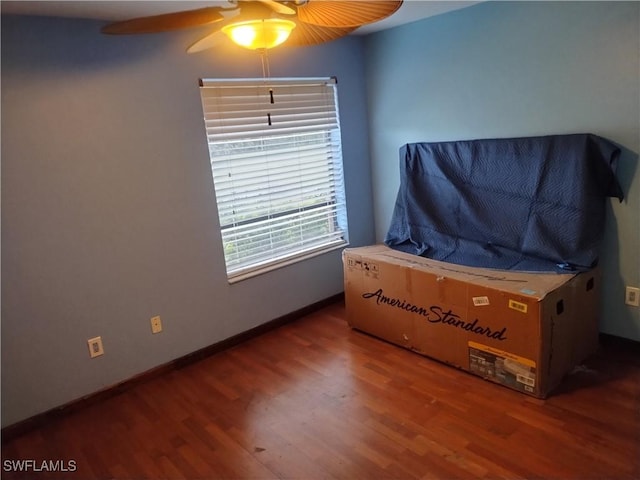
(314, 399)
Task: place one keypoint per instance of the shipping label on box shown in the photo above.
(502, 367)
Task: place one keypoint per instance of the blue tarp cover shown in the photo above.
(530, 204)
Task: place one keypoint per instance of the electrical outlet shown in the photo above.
(95, 347)
(632, 296)
(156, 324)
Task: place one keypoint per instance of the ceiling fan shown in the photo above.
(263, 24)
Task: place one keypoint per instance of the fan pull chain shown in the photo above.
(265, 63)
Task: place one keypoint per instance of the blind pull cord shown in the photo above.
(265, 75)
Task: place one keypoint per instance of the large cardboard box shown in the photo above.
(521, 330)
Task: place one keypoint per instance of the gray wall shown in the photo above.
(508, 69)
(108, 210)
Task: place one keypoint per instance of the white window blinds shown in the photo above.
(276, 160)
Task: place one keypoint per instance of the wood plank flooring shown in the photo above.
(314, 399)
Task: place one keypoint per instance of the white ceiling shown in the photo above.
(410, 11)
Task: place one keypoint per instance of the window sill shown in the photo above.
(274, 265)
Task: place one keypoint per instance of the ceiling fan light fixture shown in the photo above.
(259, 34)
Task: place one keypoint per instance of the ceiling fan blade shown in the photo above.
(346, 13)
(165, 22)
(278, 7)
(307, 34)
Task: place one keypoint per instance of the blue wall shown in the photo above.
(509, 69)
(108, 210)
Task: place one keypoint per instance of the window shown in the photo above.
(276, 160)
